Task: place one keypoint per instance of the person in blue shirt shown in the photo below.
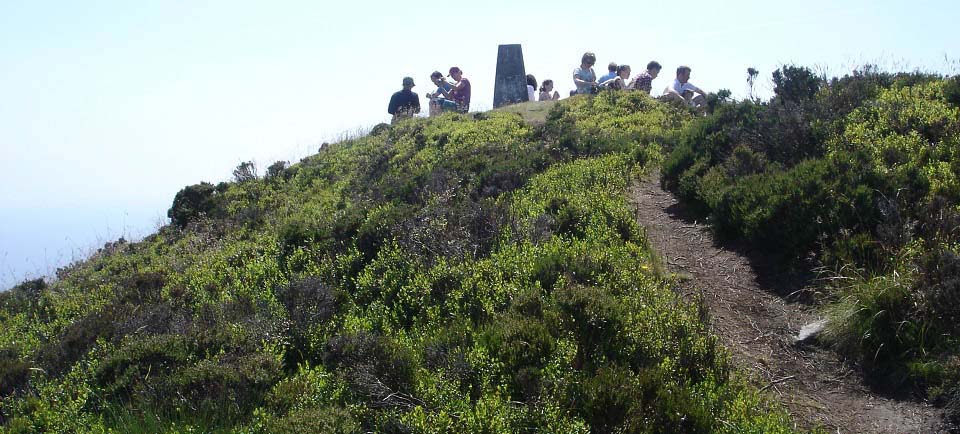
(611, 73)
(438, 103)
(583, 77)
(404, 103)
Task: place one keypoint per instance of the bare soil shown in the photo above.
(756, 311)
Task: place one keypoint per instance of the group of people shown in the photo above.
(586, 81)
(454, 94)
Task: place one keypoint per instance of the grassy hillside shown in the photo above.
(459, 274)
(859, 179)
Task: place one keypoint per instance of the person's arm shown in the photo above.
(579, 81)
(611, 82)
(392, 107)
(556, 95)
(445, 90)
(416, 103)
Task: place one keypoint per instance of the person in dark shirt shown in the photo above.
(644, 80)
(404, 103)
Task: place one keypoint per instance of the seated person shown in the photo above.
(682, 90)
(644, 80)
(547, 93)
(612, 69)
(460, 90)
(531, 88)
(438, 103)
(619, 81)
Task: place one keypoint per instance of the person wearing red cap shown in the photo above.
(460, 93)
(404, 103)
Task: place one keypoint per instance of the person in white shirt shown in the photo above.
(683, 90)
(531, 88)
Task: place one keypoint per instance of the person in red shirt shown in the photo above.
(460, 93)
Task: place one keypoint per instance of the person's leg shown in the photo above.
(671, 96)
(700, 102)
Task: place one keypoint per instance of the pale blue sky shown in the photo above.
(108, 108)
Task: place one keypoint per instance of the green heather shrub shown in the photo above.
(627, 122)
(196, 201)
(795, 84)
(951, 91)
(73, 343)
(14, 372)
(376, 367)
(24, 298)
(332, 420)
(278, 171)
(524, 346)
(464, 273)
(861, 174)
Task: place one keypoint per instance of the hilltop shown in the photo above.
(489, 273)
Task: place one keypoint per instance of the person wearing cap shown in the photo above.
(438, 103)
(404, 103)
(460, 93)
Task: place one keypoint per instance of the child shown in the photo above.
(547, 93)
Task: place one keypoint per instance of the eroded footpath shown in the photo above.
(756, 313)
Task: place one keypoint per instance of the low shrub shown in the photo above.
(196, 201)
(14, 373)
(377, 369)
(332, 420)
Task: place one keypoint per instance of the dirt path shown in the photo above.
(756, 317)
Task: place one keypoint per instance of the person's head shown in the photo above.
(455, 73)
(623, 71)
(531, 80)
(612, 67)
(683, 74)
(436, 77)
(588, 59)
(653, 68)
(547, 86)
(408, 83)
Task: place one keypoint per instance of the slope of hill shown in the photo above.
(468, 273)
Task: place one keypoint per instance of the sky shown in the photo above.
(109, 107)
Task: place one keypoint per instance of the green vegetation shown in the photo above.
(860, 178)
(458, 274)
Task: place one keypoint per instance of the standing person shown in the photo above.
(404, 103)
(644, 80)
(611, 74)
(531, 88)
(438, 103)
(547, 93)
(682, 90)
(619, 82)
(460, 92)
(584, 77)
